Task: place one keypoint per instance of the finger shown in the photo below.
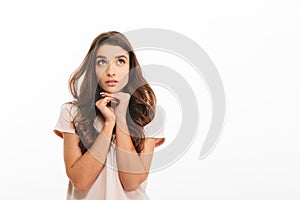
(105, 94)
(111, 109)
(114, 96)
(104, 101)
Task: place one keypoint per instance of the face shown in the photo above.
(112, 68)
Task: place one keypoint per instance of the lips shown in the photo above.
(111, 83)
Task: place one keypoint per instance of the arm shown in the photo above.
(132, 168)
(83, 170)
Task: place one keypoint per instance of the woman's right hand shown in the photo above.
(106, 111)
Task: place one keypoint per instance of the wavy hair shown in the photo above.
(84, 87)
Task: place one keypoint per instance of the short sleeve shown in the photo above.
(155, 129)
(65, 120)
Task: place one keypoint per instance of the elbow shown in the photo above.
(131, 187)
(131, 182)
(80, 184)
(82, 187)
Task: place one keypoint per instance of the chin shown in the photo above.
(112, 90)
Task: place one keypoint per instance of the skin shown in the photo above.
(112, 62)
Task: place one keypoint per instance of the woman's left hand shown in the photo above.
(121, 104)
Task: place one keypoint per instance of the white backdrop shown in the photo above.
(255, 46)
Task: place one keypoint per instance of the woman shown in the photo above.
(107, 153)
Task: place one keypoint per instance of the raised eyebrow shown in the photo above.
(100, 56)
(122, 56)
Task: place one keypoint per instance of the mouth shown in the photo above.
(111, 83)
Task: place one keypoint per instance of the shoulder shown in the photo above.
(65, 121)
(69, 108)
(68, 105)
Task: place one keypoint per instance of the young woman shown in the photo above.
(107, 152)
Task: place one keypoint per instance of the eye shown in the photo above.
(101, 62)
(121, 61)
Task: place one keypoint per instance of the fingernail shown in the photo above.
(102, 93)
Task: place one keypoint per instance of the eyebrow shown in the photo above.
(120, 56)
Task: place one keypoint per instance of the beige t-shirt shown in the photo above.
(107, 186)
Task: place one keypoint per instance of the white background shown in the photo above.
(255, 46)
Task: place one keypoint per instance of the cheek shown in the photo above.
(99, 73)
(125, 76)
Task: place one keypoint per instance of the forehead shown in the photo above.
(110, 51)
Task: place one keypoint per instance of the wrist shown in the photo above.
(122, 126)
(109, 124)
(121, 120)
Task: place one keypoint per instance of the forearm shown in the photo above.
(86, 169)
(101, 145)
(132, 168)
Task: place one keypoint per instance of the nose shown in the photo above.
(110, 71)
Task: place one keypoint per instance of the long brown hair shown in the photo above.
(84, 87)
